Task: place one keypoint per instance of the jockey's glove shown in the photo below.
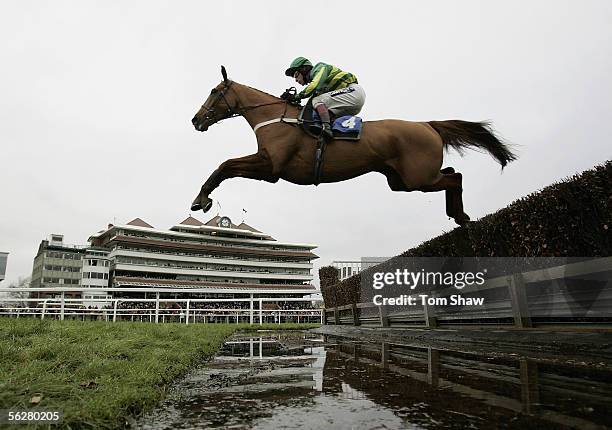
(290, 98)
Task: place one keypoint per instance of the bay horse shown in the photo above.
(409, 154)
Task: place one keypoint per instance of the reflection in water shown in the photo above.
(297, 380)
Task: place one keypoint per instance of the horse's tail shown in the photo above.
(464, 134)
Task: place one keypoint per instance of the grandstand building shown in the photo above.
(219, 257)
(348, 268)
(3, 258)
(95, 276)
(57, 265)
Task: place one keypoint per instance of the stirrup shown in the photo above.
(326, 131)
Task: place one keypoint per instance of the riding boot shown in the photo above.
(325, 121)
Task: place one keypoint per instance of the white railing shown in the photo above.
(185, 310)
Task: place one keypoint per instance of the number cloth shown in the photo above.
(348, 124)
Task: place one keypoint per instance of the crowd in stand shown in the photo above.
(170, 311)
(283, 305)
(296, 305)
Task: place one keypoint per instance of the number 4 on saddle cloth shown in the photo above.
(346, 127)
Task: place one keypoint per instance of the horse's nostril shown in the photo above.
(194, 120)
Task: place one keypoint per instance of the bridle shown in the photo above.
(230, 112)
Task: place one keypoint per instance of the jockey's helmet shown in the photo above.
(296, 64)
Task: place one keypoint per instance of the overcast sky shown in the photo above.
(96, 100)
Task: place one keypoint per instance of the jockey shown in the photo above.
(331, 89)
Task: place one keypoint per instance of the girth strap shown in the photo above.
(319, 159)
(272, 121)
(320, 144)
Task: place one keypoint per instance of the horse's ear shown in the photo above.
(224, 73)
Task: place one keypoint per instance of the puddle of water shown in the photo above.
(304, 381)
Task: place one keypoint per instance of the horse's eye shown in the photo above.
(213, 91)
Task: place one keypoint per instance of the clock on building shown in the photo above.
(225, 222)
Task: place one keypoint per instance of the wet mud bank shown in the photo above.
(310, 380)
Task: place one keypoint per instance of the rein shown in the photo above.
(240, 110)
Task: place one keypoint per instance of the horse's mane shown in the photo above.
(288, 107)
(260, 91)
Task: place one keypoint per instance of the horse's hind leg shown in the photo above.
(447, 180)
(395, 181)
(450, 182)
(455, 196)
(448, 194)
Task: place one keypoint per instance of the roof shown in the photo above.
(214, 221)
(140, 223)
(192, 221)
(245, 226)
(191, 224)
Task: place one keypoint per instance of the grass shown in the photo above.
(102, 374)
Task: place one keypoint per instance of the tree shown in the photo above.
(19, 296)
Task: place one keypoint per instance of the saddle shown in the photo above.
(347, 127)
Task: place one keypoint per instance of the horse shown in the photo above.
(409, 154)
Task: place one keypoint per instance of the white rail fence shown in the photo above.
(185, 310)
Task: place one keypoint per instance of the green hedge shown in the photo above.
(571, 218)
(328, 277)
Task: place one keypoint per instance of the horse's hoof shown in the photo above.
(448, 196)
(197, 205)
(462, 220)
(447, 171)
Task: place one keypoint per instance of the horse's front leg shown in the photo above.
(256, 166)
